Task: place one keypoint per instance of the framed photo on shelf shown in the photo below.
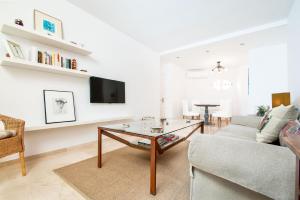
(47, 24)
(14, 49)
(59, 106)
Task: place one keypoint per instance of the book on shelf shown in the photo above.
(53, 59)
(162, 140)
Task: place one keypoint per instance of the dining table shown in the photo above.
(206, 112)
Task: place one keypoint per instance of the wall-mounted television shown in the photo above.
(106, 91)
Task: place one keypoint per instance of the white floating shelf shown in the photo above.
(78, 123)
(16, 30)
(24, 64)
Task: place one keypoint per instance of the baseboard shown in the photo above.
(49, 153)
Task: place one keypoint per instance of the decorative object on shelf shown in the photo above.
(261, 110)
(59, 106)
(19, 22)
(74, 64)
(219, 68)
(79, 44)
(47, 24)
(14, 49)
(73, 42)
(157, 129)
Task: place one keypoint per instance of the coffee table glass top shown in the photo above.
(152, 127)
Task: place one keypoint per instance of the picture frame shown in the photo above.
(59, 106)
(47, 24)
(14, 49)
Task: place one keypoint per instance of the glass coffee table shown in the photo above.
(151, 132)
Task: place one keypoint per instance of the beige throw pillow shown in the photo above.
(279, 116)
(285, 112)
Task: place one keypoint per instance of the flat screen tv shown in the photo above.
(106, 91)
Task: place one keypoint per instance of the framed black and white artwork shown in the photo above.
(59, 106)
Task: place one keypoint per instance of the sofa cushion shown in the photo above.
(263, 168)
(7, 134)
(249, 120)
(279, 116)
(239, 132)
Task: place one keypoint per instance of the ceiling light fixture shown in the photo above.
(219, 68)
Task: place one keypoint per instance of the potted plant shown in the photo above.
(261, 110)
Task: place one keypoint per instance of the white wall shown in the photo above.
(115, 56)
(293, 51)
(178, 86)
(203, 90)
(267, 74)
(173, 90)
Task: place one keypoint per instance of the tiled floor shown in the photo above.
(41, 183)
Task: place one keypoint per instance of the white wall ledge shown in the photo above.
(77, 123)
(16, 30)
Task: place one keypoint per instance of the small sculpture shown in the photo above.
(19, 22)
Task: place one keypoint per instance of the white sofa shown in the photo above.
(231, 165)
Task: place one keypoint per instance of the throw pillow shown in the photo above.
(287, 112)
(279, 117)
(264, 120)
(292, 127)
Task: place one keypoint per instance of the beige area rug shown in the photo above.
(125, 175)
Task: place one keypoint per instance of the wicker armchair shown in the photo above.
(14, 144)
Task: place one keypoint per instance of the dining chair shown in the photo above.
(225, 112)
(214, 110)
(197, 109)
(186, 113)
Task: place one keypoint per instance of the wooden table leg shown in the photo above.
(153, 166)
(202, 128)
(99, 148)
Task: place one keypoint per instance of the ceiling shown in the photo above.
(230, 51)
(168, 24)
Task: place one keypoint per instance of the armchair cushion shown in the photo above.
(2, 127)
(7, 134)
